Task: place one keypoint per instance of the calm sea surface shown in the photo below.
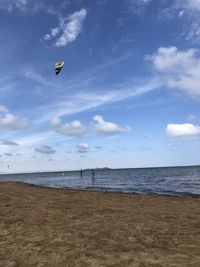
(178, 181)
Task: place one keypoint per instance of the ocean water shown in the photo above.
(173, 181)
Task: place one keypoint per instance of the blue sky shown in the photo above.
(128, 95)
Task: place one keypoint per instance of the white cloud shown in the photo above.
(83, 156)
(137, 6)
(193, 34)
(35, 76)
(31, 6)
(189, 10)
(143, 2)
(103, 127)
(18, 154)
(98, 147)
(8, 143)
(69, 28)
(179, 69)
(72, 28)
(83, 101)
(52, 34)
(191, 117)
(182, 130)
(8, 154)
(36, 138)
(73, 128)
(12, 122)
(20, 3)
(10, 5)
(169, 59)
(82, 148)
(180, 5)
(181, 13)
(3, 109)
(134, 3)
(45, 150)
(192, 5)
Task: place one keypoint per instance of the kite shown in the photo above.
(58, 67)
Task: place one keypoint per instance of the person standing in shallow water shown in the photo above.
(93, 173)
(93, 176)
(81, 173)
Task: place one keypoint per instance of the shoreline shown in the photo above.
(105, 190)
(44, 226)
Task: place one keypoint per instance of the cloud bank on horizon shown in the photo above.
(130, 72)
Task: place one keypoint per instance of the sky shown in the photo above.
(127, 96)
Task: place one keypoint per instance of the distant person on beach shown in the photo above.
(81, 173)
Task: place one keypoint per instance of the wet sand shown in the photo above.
(54, 227)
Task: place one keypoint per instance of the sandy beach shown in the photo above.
(54, 227)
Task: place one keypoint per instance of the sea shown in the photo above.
(170, 181)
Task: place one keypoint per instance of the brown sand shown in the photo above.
(55, 227)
